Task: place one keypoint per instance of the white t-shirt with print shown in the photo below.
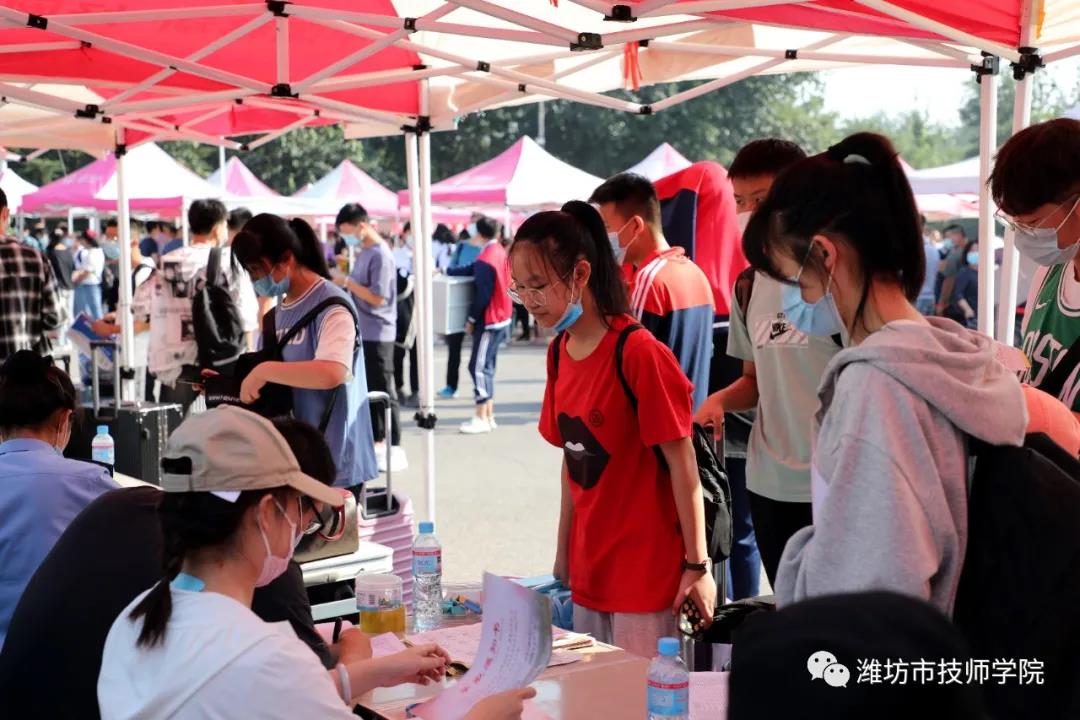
(217, 661)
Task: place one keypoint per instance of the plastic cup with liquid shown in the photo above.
(378, 601)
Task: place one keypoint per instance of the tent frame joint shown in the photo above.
(38, 22)
(483, 66)
(588, 41)
(409, 24)
(523, 88)
(277, 8)
(792, 54)
(645, 110)
(245, 147)
(283, 90)
(991, 65)
(121, 150)
(643, 43)
(1030, 62)
(89, 112)
(421, 126)
(620, 14)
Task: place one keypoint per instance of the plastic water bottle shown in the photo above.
(669, 683)
(103, 449)
(427, 576)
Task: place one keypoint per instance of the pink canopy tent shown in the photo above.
(523, 176)
(240, 182)
(345, 184)
(661, 162)
(158, 184)
(16, 188)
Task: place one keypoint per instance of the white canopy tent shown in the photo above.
(476, 54)
(15, 188)
(661, 162)
(960, 177)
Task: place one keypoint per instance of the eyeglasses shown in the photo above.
(535, 297)
(329, 524)
(1019, 227)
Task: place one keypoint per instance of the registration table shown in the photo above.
(605, 683)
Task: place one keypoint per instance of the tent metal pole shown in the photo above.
(520, 19)
(705, 6)
(39, 47)
(1061, 54)
(924, 23)
(213, 47)
(1010, 258)
(185, 235)
(222, 180)
(270, 137)
(425, 302)
(123, 305)
(832, 57)
(281, 48)
(412, 169)
(185, 13)
(988, 102)
(184, 102)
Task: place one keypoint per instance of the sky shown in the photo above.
(862, 91)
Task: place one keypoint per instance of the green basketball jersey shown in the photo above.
(1052, 328)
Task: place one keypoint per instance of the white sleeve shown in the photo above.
(96, 262)
(337, 336)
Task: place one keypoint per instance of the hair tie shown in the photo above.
(842, 156)
(855, 158)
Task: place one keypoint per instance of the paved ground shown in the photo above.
(498, 494)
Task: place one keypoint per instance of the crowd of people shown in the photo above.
(866, 381)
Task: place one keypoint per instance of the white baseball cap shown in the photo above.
(228, 450)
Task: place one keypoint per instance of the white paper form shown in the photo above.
(515, 647)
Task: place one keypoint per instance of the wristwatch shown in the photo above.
(697, 567)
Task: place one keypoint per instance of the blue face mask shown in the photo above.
(351, 240)
(819, 319)
(571, 315)
(266, 286)
(973, 257)
(472, 230)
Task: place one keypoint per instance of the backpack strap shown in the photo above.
(557, 350)
(213, 267)
(308, 318)
(620, 346)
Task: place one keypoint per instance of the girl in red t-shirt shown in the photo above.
(629, 527)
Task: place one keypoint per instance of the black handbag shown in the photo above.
(275, 400)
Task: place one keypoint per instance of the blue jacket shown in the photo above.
(41, 492)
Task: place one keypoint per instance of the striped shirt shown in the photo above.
(29, 305)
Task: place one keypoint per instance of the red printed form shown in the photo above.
(515, 647)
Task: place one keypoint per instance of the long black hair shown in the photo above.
(32, 388)
(195, 520)
(573, 233)
(271, 237)
(855, 192)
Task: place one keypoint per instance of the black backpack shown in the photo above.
(715, 489)
(219, 329)
(1020, 585)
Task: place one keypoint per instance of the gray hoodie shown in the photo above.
(889, 462)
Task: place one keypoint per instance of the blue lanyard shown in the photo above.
(190, 583)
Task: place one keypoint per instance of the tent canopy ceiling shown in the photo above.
(169, 68)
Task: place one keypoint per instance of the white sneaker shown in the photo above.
(475, 426)
(494, 426)
(398, 460)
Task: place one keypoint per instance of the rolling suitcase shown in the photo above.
(139, 429)
(387, 518)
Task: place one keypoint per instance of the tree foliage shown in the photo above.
(604, 142)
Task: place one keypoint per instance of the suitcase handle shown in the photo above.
(95, 382)
(384, 495)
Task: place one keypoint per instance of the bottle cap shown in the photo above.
(668, 647)
(103, 429)
(426, 528)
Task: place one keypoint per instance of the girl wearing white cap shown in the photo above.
(235, 507)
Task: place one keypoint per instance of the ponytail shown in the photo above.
(189, 522)
(311, 253)
(575, 233)
(856, 190)
(270, 237)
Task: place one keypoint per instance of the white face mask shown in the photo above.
(1040, 245)
(743, 219)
